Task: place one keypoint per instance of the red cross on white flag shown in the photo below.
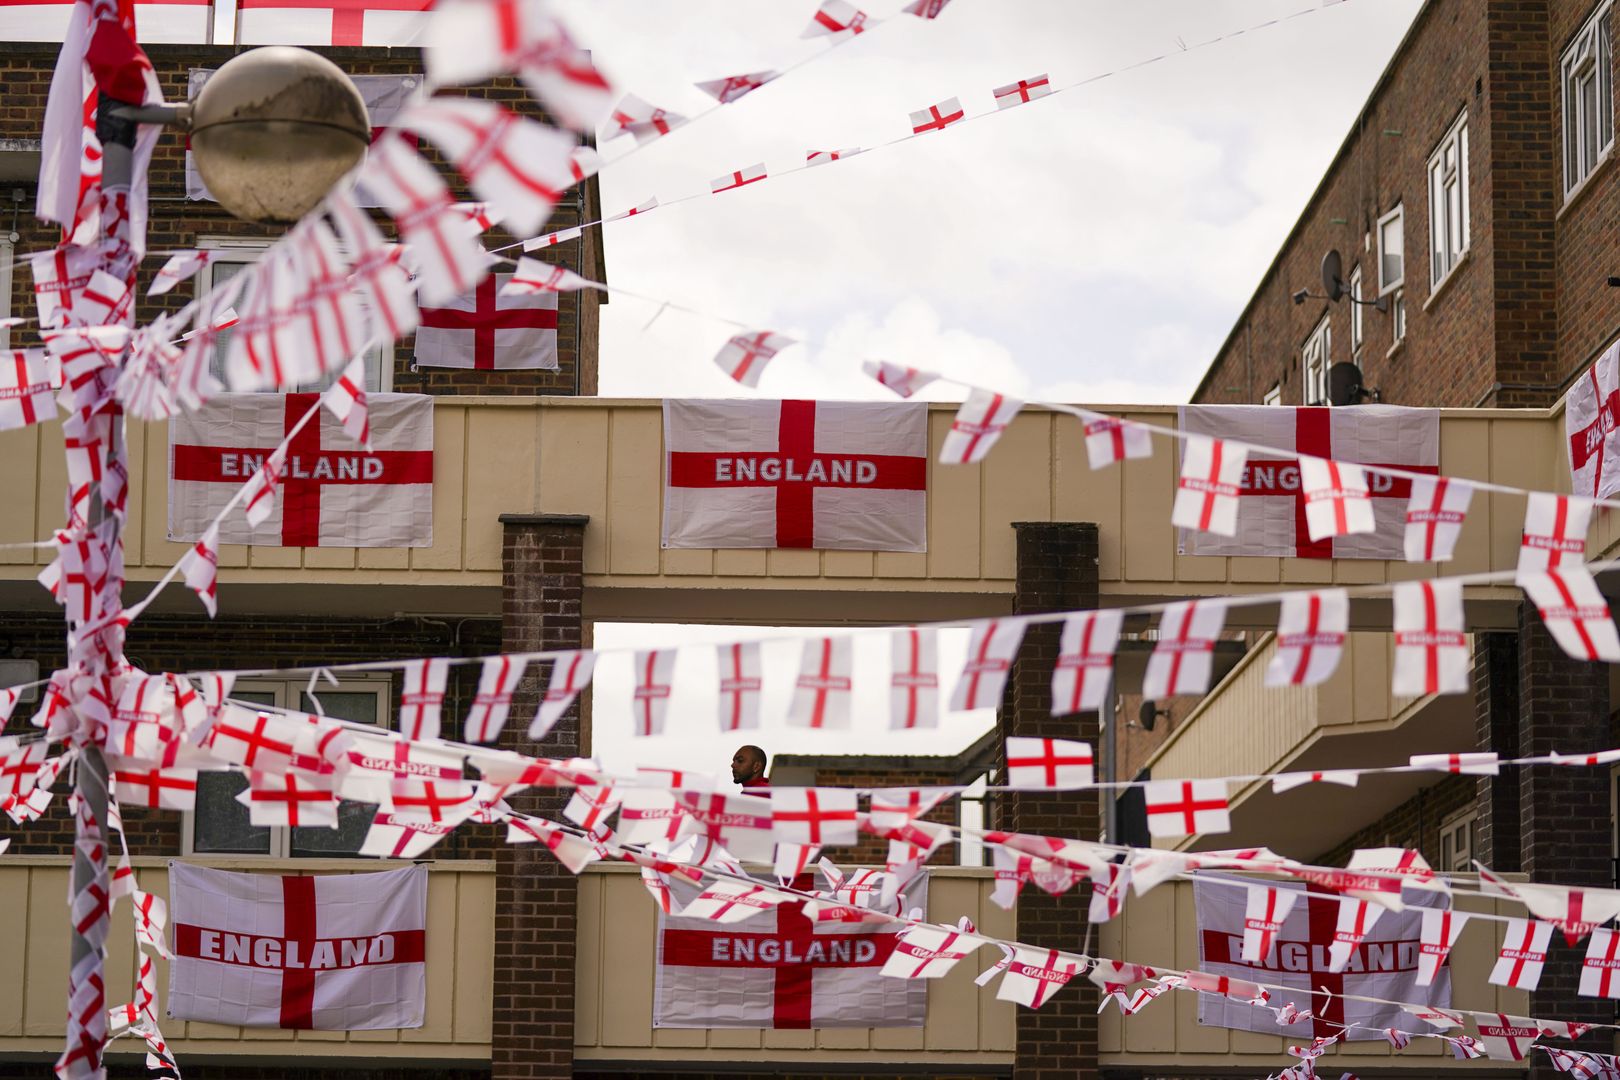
(823, 817)
(138, 784)
(837, 20)
(432, 799)
(1434, 517)
(29, 380)
(745, 473)
(1183, 658)
(1523, 954)
(421, 698)
(914, 679)
(330, 22)
(561, 236)
(1356, 918)
(1431, 646)
(977, 425)
(929, 952)
(895, 808)
(825, 157)
(903, 380)
(745, 356)
(449, 259)
(519, 166)
(533, 275)
(570, 674)
(992, 647)
(647, 815)
(731, 181)
(1555, 528)
(733, 901)
(346, 399)
(1110, 884)
(1310, 637)
(822, 690)
(1267, 908)
(1048, 764)
(1575, 611)
(572, 851)
(254, 740)
(19, 765)
(491, 329)
(925, 9)
(741, 679)
(1211, 481)
(60, 277)
(642, 208)
(1601, 963)
(1035, 975)
(937, 117)
(376, 271)
(1481, 763)
(497, 681)
(1336, 498)
(294, 798)
(180, 266)
(739, 823)
(589, 807)
(1504, 1037)
(654, 671)
(1591, 416)
(1022, 91)
(727, 90)
(1110, 440)
(1186, 807)
(1085, 663)
(641, 119)
(1441, 928)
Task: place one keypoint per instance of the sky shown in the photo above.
(1093, 247)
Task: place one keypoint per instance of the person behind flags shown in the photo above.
(748, 768)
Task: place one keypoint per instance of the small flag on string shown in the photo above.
(837, 20)
(824, 157)
(1183, 658)
(346, 399)
(1431, 649)
(1211, 479)
(1110, 440)
(654, 671)
(815, 816)
(1022, 91)
(644, 121)
(180, 266)
(937, 117)
(929, 952)
(200, 568)
(1555, 528)
(570, 674)
(533, 276)
(1289, 781)
(1267, 909)
(295, 799)
(914, 679)
(1482, 763)
(259, 494)
(422, 697)
(740, 684)
(731, 181)
(1310, 637)
(1434, 517)
(925, 9)
(733, 901)
(903, 380)
(1336, 498)
(895, 808)
(978, 424)
(1523, 954)
(1356, 918)
(1186, 807)
(1048, 764)
(727, 90)
(553, 239)
(1034, 975)
(643, 208)
(1504, 1037)
(1085, 663)
(497, 681)
(29, 380)
(1602, 960)
(992, 648)
(821, 694)
(745, 356)
(1575, 611)
(449, 260)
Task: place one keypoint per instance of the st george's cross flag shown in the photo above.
(330, 22)
(1272, 501)
(782, 969)
(341, 952)
(489, 330)
(332, 493)
(1591, 418)
(796, 474)
(168, 22)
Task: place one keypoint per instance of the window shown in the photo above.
(1391, 250)
(1457, 843)
(1448, 202)
(1314, 363)
(971, 817)
(6, 251)
(1357, 328)
(1588, 99)
(220, 826)
(1273, 396)
(1397, 315)
(235, 256)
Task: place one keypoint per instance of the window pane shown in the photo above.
(1589, 130)
(1437, 224)
(1572, 133)
(221, 273)
(354, 818)
(220, 823)
(1454, 229)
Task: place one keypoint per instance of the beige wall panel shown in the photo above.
(235, 557)
(1201, 568)
(629, 947)
(1016, 486)
(903, 564)
(680, 1038)
(574, 474)
(789, 1040)
(444, 921)
(1255, 570)
(330, 558)
(136, 435)
(953, 1002)
(1149, 491)
(843, 1038)
(46, 958)
(19, 481)
(1191, 1037)
(14, 936)
(739, 562)
(1147, 934)
(635, 482)
(500, 477)
(688, 562)
(953, 502)
(848, 564)
(587, 973)
(734, 1039)
(380, 558)
(793, 562)
(1360, 571)
(51, 489)
(996, 1018)
(263, 557)
(449, 468)
(1307, 571)
(1080, 493)
(1465, 451)
(1517, 457)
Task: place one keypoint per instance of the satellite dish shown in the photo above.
(1148, 713)
(1332, 279)
(1344, 384)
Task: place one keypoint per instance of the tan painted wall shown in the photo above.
(618, 924)
(460, 967)
(1162, 928)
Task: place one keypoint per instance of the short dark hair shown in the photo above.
(760, 754)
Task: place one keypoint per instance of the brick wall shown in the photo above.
(176, 222)
(1056, 571)
(1415, 823)
(870, 773)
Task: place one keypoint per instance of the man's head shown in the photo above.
(748, 763)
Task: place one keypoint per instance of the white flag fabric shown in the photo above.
(334, 22)
(29, 380)
(823, 690)
(1035, 975)
(493, 328)
(929, 952)
(654, 671)
(421, 700)
(1441, 928)
(444, 252)
(745, 356)
(1336, 498)
(1183, 658)
(1431, 647)
(1267, 909)
(1085, 663)
(342, 952)
(815, 816)
(570, 674)
(903, 380)
(1434, 517)
(1048, 764)
(783, 969)
(837, 20)
(642, 119)
(796, 474)
(1383, 966)
(332, 492)
(727, 90)
(1506, 1038)
(1186, 807)
(179, 22)
(977, 426)
(992, 648)
(739, 823)
(1555, 528)
(1022, 91)
(1480, 763)
(1575, 611)
(535, 275)
(1519, 962)
(937, 117)
(1110, 440)
(827, 157)
(1310, 637)
(914, 678)
(497, 681)
(1211, 482)
(741, 681)
(737, 178)
(1355, 922)
(1272, 501)
(1598, 969)
(1591, 416)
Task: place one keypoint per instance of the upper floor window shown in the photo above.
(1448, 201)
(1357, 327)
(1273, 396)
(1391, 250)
(1457, 844)
(1397, 316)
(1314, 363)
(1588, 99)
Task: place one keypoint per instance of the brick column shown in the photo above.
(1496, 720)
(1057, 571)
(542, 592)
(1564, 812)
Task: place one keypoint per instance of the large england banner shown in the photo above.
(339, 952)
(333, 491)
(1271, 504)
(779, 969)
(1591, 417)
(1384, 965)
(840, 475)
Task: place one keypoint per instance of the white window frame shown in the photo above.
(1314, 360)
(7, 250)
(1457, 825)
(1397, 218)
(1587, 62)
(238, 251)
(1397, 316)
(287, 693)
(1448, 226)
(1358, 330)
(1273, 396)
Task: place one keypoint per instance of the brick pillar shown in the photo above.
(542, 592)
(1496, 716)
(1057, 571)
(1564, 837)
